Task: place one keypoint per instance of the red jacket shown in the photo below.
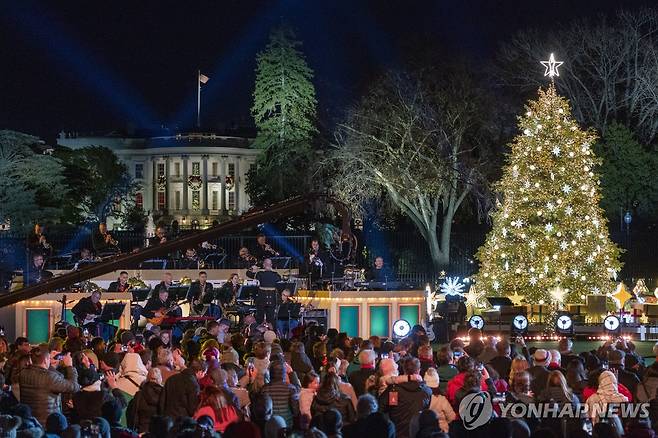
(456, 383)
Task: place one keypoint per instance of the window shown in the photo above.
(214, 168)
(161, 201)
(196, 168)
(139, 171)
(177, 200)
(177, 169)
(161, 169)
(231, 200)
(215, 200)
(139, 201)
(196, 200)
(231, 169)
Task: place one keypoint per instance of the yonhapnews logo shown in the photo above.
(476, 410)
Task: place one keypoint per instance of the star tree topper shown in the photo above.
(551, 66)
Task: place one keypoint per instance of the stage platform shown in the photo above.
(359, 313)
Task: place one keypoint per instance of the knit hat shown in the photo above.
(230, 356)
(211, 353)
(56, 423)
(87, 376)
(432, 378)
(269, 336)
(8, 425)
(541, 357)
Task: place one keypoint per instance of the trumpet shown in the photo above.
(269, 249)
(110, 240)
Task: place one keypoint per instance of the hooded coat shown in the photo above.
(607, 392)
(412, 397)
(133, 373)
(145, 406)
(285, 397)
(325, 400)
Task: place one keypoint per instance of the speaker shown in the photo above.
(317, 315)
(651, 310)
(596, 305)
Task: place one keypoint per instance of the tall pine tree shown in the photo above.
(284, 110)
(548, 229)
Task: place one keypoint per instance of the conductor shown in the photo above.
(266, 300)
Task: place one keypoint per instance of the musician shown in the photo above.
(86, 258)
(245, 259)
(36, 272)
(316, 262)
(121, 285)
(263, 250)
(201, 293)
(190, 260)
(37, 243)
(104, 243)
(287, 315)
(167, 281)
(379, 272)
(159, 238)
(87, 310)
(160, 302)
(228, 293)
(267, 298)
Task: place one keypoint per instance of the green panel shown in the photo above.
(38, 325)
(410, 313)
(348, 317)
(379, 321)
(69, 317)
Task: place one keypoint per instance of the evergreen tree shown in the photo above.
(284, 111)
(549, 230)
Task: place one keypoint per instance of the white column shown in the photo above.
(237, 186)
(168, 185)
(223, 171)
(185, 206)
(205, 186)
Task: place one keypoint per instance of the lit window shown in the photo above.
(231, 169)
(215, 200)
(177, 169)
(161, 169)
(214, 169)
(196, 168)
(177, 200)
(139, 171)
(231, 200)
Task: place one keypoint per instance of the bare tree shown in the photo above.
(610, 68)
(413, 138)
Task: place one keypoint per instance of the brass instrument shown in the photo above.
(269, 249)
(136, 283)
(185, 281)
(89, 287)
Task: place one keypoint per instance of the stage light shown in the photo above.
(519, 325)
(564, 324)
(476, 322)
(401, 328)
(611, 324)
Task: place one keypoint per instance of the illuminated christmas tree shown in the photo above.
(549, 232)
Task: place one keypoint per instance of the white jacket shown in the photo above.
(132, 374)
(441, 406)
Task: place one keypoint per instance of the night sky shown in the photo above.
(100, 66)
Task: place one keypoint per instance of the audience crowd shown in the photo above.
(320, 383)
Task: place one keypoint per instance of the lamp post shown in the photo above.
(628, 218)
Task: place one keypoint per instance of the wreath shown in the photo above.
(230, 182)
(162, 182)
(194, 182)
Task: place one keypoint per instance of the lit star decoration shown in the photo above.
(451, 286)
(474, 298)
(516, 299)
(551, 66)
(550, 186)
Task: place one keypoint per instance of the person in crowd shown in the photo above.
(576, 377)
(557, 390)
(132, 374)
(41, 387)
(218, 403)
(425, 424)
(489, 351)
(616, 362)
(564, 347)
(519, 363)
(334, 365)
(502, 361)
(426, 357)
(606, 393)
(144, 405)
(284, 395)
(113, 411)
(439, 404)
(445, 367)
(240, 393)
(87, 402)
(179, 397)
(370, 422)
(367, 358)
(556, 361)
(331, 423)
(121, 285)
(310, 386)
(299, 360)
(408, 398)
(539, 371)
(329, 397)
(464, 365)
(520, 387)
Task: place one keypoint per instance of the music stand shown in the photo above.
(246, 293)
(140, 294)
(290, 285)
(178, 292)
(295, 311)
(112, 311)
(280, 262)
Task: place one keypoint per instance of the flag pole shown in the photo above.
(198, 99)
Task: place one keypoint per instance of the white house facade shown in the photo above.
(193, 178)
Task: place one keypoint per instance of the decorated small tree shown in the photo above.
(549, 242)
